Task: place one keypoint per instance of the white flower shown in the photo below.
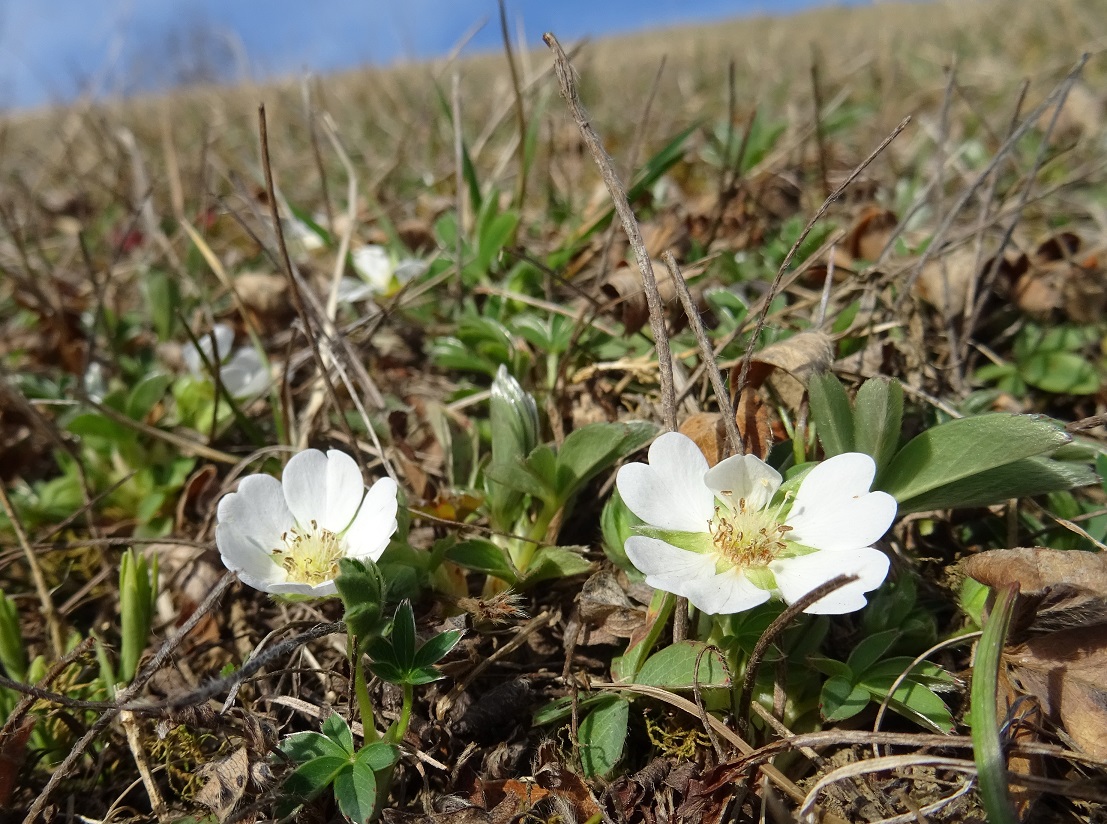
(241, 371)
(714, 536)
(286, 537)
(380, 273)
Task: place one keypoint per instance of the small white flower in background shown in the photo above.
(713, 535)
(241, 371)
(379, 273)
(300, 237)
(286, 537)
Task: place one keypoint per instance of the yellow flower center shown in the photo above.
(310, 556)
(747, 537)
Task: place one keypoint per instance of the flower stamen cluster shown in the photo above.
(747, 537)
(310, 555)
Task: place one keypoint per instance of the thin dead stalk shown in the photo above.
(564, 71)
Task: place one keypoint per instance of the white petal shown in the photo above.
(245, 555)
(352, 290)
(743, 477)
(345, 491)
(834, 509)
(224, 340)
(305, 486)
(723, 594)
(257, 510)
(318, 591)
(666, 566)
(244, 374)
(374, 265)
(375, 523)
(669, 492)
(795, 577)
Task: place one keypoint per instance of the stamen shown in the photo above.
(310, 556)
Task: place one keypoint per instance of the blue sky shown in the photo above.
(53, 50)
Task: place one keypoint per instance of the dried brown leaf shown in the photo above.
(1037, 569)
(708, 432)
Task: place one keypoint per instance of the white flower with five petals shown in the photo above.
(286, 537)
(715, 536)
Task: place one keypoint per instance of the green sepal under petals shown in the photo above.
(699, 542)
(794, 550)
(761, 577)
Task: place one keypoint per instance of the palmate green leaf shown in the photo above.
(1019, 479)
(377, 756)
(305, 746)
(877, 419)
(965, 447)
(403, 636)
(483, 556)
(675, 667)
(315, 775)
(841, 699)
(355, 790)
(831, 413)
(436, 648)
(603, 735)
(555, 562)
(337, 730)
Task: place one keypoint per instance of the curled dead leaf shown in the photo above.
(787, 365)
(944, 282)
(870, 233)
(1037, 569)
(708, 432)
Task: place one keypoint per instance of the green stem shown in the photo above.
(364, 702)
(983, 713)
(399, 729)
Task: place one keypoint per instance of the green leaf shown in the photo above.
(163, 298)
(1019, 479)
(869, 650)
(403, 636)
(555, 562)
(304, 746)
(312, 777)
(1061, 372)
(514, 419)
(593, 448)
(355, 790)
(877, 419)
(378, 756)
(562, 708)
(965, 447)
(436, 648)
(840, 699)
(675, 667)
(145, 395)
(831, 413)
(338, 731)
(915, 702)
(602, 736)
(828, 666)
(518, 479)
(483, 556)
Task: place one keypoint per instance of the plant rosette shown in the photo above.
(716, 536)
(286, 537)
